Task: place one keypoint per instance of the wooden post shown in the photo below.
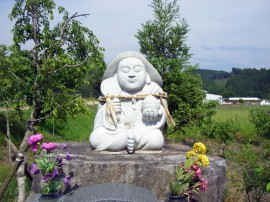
(20, 156)
(8, 136)
(14, 168)
(21, 183)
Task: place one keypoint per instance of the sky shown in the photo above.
(223, 33)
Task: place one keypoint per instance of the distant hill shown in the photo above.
(238, 83)
(213, 74)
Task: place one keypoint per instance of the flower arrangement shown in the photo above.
(50, 168)
(188, 175)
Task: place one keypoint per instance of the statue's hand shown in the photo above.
(131, 143)
(151, 115)
(117, 105)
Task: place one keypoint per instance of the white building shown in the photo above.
(214, 97)
(265, 102)
(246, 100)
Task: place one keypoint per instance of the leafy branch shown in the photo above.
(66, 22)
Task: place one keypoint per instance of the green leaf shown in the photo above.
(51, 16)
(37, 161)
(188, 162)
(259, 169)
(57, 185)
(268, 187)
(185, 186)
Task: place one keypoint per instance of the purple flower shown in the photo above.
(49, 176)
(33, 139)
(55, 172)
(59, 161)
(63, 145)
(48, 145)
(68, 157)
(67, 180)
(34, 148)
(34, 169)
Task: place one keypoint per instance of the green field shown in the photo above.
(239, 114)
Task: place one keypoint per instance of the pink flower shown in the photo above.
(195, 167)
(203, 185)
(187, 170)
(34, 148)
(34, 139)
(48, 145)
(198, 173)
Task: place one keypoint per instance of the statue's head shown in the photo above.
(133, 71)
(132, 75)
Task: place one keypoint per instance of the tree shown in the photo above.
(162, 40)
(6, 92)
(249, 82)
(267, 96)
(48, 73)
(90, 88)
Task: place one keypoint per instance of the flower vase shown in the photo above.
(49, 195)
(177, 198)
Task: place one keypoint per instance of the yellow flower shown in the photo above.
(190, 153)
(199, 148)
(202, 160)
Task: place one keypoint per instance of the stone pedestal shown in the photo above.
(149, 170)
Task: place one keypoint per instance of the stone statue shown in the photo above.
(133, 112)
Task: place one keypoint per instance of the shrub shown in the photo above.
(252, 171)
(261, 120)
(222, 131)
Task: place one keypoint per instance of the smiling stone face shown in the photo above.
(131, 74)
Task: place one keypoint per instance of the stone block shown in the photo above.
(150, 170)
